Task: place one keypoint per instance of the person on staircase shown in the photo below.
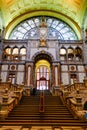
(34, 91)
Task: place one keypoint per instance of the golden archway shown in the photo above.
(42, 73)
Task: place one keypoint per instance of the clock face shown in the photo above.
(43, 31)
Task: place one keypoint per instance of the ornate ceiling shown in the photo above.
(74, 12)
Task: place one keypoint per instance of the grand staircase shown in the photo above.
(55, 112)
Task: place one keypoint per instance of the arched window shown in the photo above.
(22, 53)
(15, 53)
(7, 53)
(30, 29)
(8, 50)
(78, 54)
(62, 53)
(70, 53)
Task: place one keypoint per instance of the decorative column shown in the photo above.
(29, 78)
(56, 78)
(29, 72)
(26, 74)
(57, 50)
(28, 51)
(57, 74)
(52, 75)
(32, 73)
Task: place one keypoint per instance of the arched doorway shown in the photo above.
(43, 70)
(43, 74)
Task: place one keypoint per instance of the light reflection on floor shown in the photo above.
(41, 128)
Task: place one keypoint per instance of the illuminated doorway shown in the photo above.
(43, 75)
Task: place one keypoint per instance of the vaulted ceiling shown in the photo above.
(73, 12)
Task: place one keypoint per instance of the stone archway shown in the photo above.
(43, 55)
(42, 65)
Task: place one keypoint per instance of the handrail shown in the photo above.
(41, 107)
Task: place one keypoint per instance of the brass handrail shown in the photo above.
(41, 107)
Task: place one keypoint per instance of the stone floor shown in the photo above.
(41, 128)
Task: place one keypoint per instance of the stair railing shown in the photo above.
(41, 107)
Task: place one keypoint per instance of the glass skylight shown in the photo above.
(30, 29)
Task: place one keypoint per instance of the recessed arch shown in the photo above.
(43, 55)
(8, 49)
(43, 61)
(62, 50)
(43, 73)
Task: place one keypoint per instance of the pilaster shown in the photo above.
(56, 74)
(29, 74)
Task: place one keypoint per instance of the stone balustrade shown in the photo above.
(73, 95)
(8, 105)
(10, 98)
(5, 85)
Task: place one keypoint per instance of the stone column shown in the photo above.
(32, 73)
(52, 74)
(26, 74)
(56, 78)
(59, 74)
(56, 75)
(29, 73)
(29, 78)
(28, 51)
